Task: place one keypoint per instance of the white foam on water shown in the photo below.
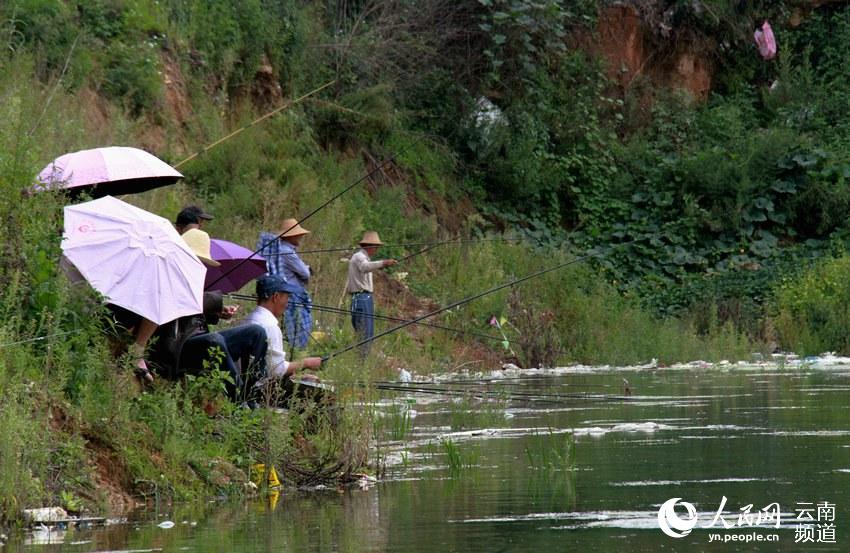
(627, 427)
(817, 433)
(633, 520)
(637, 483)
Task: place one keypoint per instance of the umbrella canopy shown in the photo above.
(106, 171)
(134, 258)
(235, 270)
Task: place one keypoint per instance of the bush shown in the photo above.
(811, 312)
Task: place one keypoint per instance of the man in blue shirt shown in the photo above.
(282, 259)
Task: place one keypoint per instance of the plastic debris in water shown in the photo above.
(765, 41)
(166, 524)
(45, 514)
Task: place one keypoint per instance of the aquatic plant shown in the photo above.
(458, 461)
(552, 451)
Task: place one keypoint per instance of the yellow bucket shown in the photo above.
(258, 472)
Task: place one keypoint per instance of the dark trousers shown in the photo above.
(231, 350)
(363, 318)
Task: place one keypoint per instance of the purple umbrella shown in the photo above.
(112, 171)
(238, 271)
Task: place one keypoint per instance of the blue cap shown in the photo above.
(269, 284)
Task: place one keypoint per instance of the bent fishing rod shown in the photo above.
(464, 301)
(379, 167)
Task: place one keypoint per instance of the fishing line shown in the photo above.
(409, 244)
(304, 218)
(38, 338)
(464, 301)
(340, 311)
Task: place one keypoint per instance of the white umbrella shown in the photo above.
(134, 258)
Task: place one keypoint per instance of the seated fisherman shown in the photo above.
(272, 297)
(185, 344)
(191, 217)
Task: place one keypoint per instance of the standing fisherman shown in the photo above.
(282, 260)
(359, 285)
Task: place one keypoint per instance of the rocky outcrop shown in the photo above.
(631, 50)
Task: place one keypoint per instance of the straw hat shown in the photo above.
(290, 227)
(371, 238)
(199, 241)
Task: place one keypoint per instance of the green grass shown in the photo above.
(551, 451)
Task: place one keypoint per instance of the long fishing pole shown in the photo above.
(405, 245)
(414, 386)
(414, 254)
(254, 122)
(305, 217)
(339, 311)
(485, 394)
(462, 302)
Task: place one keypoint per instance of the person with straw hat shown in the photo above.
(359, 285)
(282, 259)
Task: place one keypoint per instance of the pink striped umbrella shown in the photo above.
(114, 170)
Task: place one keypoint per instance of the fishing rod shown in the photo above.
(512, 382)
(304, 218)
(512, 396)
(462, 302)
(339, 311)
(409, 244)
(414, 254)
(254, 122)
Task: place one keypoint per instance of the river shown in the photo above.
(573, 459)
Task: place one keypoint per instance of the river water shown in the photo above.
(554, 471)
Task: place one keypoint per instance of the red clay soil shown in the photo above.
(624, 43)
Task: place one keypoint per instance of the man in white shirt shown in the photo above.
(359, 285)
(272, 297)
